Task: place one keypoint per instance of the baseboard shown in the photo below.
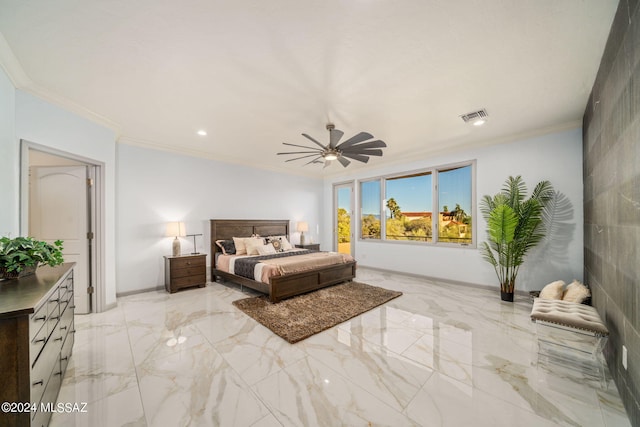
(441, 279)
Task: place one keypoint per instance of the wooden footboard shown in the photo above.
(307, 281)
(282, 287)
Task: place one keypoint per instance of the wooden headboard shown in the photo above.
(225, 229)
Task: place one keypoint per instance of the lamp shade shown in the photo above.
(176, 229)
(302, 226)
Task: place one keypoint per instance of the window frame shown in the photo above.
(434, 171)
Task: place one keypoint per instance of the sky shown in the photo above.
(414, 194)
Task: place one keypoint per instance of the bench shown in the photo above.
(570, 333)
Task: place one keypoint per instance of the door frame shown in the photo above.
(96, 218)
(337, 186)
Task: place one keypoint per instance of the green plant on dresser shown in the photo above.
(22, 255)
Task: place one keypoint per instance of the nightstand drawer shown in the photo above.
(189, 281)
(178, 263)
(185, 272)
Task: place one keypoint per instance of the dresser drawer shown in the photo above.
(37, 320)
(37, 343)
(41, 370)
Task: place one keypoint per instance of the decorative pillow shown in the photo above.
(252, 244)
(275, 242)
(576, 292)
(553, 290)
(284, 243)
(227, 246)
(241, 248)
(267, 249)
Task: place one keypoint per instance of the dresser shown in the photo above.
(36, 341)
(185, 271)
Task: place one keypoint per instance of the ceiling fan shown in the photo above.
(356, 148)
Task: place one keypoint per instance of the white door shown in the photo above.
(59, 210)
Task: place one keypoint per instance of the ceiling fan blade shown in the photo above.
(300, 152)
(334, 137)
(344, 162)
(370, 152)
(361, 137)
(302, 146)
(313, 161)
(313, 140)
(298, 158)
(358, 157)
(370, 144)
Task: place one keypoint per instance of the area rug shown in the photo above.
(300, 317)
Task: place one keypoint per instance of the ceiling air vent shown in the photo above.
(474, 116)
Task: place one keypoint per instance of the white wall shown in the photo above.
(9, 224)
(555, 157)
(156, 187)
(46, 124)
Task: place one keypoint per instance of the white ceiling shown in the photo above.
(257, 73)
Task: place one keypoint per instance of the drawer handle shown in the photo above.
(62, 328)
(58, 373)
(64, 287)
(55, 300)
(40, 318)
(40, 340)
(41, 382)
(65, 358)
(54, 317)
(73, 306)
(58, 339)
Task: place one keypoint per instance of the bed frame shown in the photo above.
(281, 286)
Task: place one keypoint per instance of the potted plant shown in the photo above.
(514, 225)
(22, 255)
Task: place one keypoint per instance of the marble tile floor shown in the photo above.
(439, 355)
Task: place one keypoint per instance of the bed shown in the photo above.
(277, 287)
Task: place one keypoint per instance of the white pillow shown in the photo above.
(267, 249)
(252, 244)
(576, 292)
(285, 243)
(553, 290)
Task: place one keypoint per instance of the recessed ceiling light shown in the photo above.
(202, 132)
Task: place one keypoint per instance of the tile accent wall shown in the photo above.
(611, 147)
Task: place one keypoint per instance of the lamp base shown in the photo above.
(302, 239)
(176, 247)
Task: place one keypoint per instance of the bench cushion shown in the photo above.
(569, 314)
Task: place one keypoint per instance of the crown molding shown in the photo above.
(21, 81)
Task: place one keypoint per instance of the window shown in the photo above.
(454, 200)
(407, 201)
(370, 209)
(408, 207)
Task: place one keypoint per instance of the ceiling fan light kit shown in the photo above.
(358, 147)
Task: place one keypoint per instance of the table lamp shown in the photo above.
(176, 229)
(302, 227)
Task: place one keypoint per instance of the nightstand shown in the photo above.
(311, 246)
(184, 271)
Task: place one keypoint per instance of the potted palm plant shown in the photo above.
(22, 255)
(514, 225)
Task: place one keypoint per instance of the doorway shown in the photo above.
(343, 217)
(59, 202)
